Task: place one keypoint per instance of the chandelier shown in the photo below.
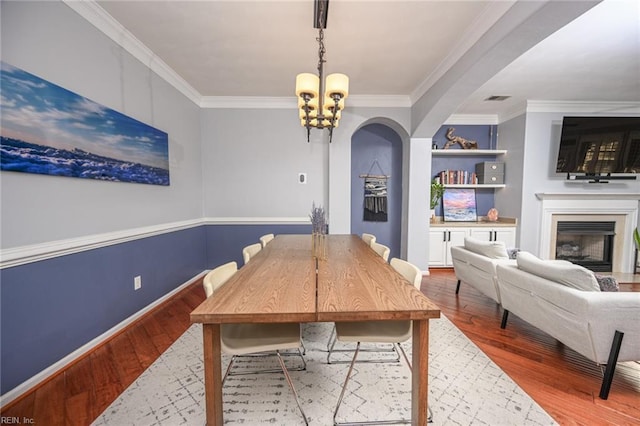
(321, 101)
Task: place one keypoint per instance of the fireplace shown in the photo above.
(586, 243)
(585, 234)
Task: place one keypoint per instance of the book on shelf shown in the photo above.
(457, 177)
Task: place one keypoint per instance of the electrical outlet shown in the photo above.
(137, 282)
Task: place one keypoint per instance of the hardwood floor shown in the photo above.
(79, 394)
(564, 383)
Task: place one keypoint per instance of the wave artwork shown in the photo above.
(459, 205)
(46, 129)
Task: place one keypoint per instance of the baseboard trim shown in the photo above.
(49, 372)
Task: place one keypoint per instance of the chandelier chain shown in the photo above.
(321, 49)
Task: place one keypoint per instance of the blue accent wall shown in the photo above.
(225, 242)
(486, 136)
(53, 307)
(377, 142)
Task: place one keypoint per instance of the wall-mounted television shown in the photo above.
(599, 145)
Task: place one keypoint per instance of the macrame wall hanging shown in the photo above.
(375, 195)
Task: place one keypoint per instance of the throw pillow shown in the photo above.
(607, 283)
(512, 252)
(562, 272)
(491, 249)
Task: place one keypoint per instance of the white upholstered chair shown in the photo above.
(369, 238)
(393, 332)
(266, 239)
(258, 338)
(382, 250)
(249, 251)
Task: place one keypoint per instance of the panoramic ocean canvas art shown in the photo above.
(459, 205)
(47, 129)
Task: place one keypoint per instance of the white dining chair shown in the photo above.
(249, 251)
(266, 239)
(394, 332)
(381, 249)
(369, 238)
(256, 338)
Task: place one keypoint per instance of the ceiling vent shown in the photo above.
(497, 98)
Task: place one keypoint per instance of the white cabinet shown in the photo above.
(506, 235)
(442, 238)
(440, 241)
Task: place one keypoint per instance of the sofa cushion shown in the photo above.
(607, 283)
(560, 271)
(491, 249)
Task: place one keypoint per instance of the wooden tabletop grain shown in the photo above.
(279, 285)
(356, 284)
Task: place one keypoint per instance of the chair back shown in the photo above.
(369, 238)
(249, 251)
(265, 239)
(407, 270)
(218, 276)
(381, 249)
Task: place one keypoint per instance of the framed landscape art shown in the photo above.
(459, 205)
(46, 129)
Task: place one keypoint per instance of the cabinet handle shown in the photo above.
(448, 235)
(444, 236)
(495, 235)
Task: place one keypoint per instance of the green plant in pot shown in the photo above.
(437, 190)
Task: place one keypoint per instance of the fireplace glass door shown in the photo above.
(589, 244)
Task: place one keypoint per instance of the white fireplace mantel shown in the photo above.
(623, 204)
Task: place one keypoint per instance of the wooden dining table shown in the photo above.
(284, 282)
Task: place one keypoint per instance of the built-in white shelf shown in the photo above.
(476, 185)
(463, 152)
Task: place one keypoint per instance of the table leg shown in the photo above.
(212, 374)
(420, 376)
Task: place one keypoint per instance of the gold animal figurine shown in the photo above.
(464, 143)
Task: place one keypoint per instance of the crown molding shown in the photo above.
(99, 18)
(261, 102)
(273, 102)
(583, 106)
(476, 119)
(379, 101)
(489, 16)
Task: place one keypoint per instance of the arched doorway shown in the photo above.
(377, 149)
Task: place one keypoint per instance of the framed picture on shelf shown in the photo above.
(459, 205)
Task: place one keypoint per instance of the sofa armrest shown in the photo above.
(608, 312)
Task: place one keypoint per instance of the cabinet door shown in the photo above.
(437, 247)
(484, 234)
(455, 237)
(507, 236)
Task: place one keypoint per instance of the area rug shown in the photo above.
(465, 387)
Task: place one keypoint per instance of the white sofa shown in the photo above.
(565, 301)
(475, 264)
